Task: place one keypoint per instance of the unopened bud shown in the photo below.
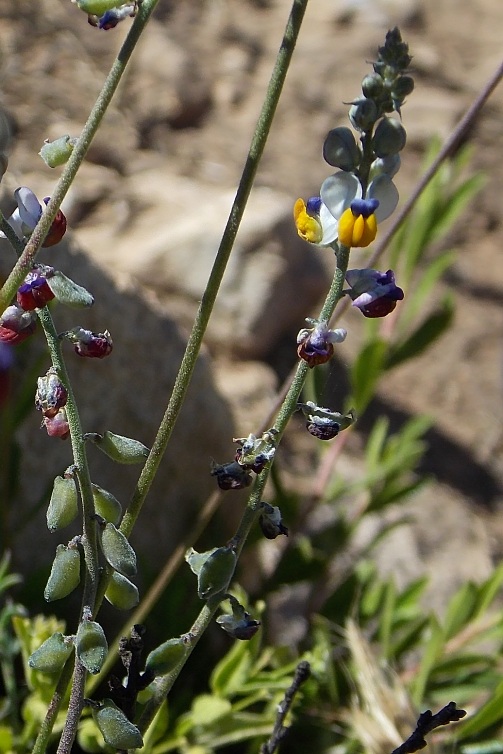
(65, 573)
(363, 114)
(341, 150)
(373, 86)
(91, 645)
(16, 325)
(118, 732)
(57, 152)
(52, 654)
(57, 425)
(389, 137)
(119, 448)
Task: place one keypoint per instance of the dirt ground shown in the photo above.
(188, 105)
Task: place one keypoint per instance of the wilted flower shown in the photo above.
(51, 394)
(324, 423)
(270, 521)
(240, 624)
(374, 293)
(315, 345)
(16, 325)
(231, 476)
(255, 452)
(90, 344)
(35, 292)
(29, 211)
(57, 425)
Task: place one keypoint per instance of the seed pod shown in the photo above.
(68, 292)
(166, 657)
(65, 573)
(57, 152)
(117, 550)
(106, 505)
(91, 645)
(122, 593)
(116, 729)
(98, 7)
(63, 505)
(216, 572)
(119, 448)
(52, 654)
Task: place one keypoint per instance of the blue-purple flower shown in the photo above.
(374, 293)
(29, 211)
(316, 344)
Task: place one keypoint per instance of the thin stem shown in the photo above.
(208, 299)
(58, 697)
(25, 261)
(74, 709)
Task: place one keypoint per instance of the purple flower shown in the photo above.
(374, 293)
(315, 345)
(29, 211)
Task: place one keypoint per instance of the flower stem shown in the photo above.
(26, 259)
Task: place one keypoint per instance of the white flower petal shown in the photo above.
(337, 336)
(338, 191)
(29, 207)
(328, 225)
(383, 189)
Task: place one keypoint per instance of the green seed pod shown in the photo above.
(91, 645)
(122, 593)
(341, 150)
(52, 654)
(389, 138)
(166, 657)
(65, 573)
(57, 152)
(115, 728)
(69, 293)
(119, 448)
(216, 572)
(98, 7)
(117, 550)
(63, 505)
(106, 505)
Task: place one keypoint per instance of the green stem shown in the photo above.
(57, 700)
(25, 261)
(206, 306)
(164, 684)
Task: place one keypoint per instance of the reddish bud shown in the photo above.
(57, 425)
(57, 229)
(34, 293)
(16, 325)
(90, 344)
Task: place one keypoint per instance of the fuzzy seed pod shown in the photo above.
(63, 505)
(117, 550)
(52, 654)
(119, 448)
(116, 729)
(166, 657)
(216, 572)
(122, 593)
(98, 8)
(106, 505)
(57, 152)
(91, 645)
(65, 573)
(68, 292)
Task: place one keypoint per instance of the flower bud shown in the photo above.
(57, 425)
(69, 293)
(216, 572)
(117, 550)
(65, 573)
(106, 505)
(57, 229)
(122, 593)
(119, 448)
(116, 729)
(16, 325)
(52, 654)
(63, 506)
(91, 645)
(51, 394)
(341, 150)
(402, 87)
(389, 137)
(57, 152)
(363, 114)
(373, 87)
(164, 658)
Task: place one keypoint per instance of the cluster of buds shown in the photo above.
(252, 454)
(50, 399)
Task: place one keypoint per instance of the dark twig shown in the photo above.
(302, 673)
(427, 722)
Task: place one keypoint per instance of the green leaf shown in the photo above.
(425, 334)
(460, 609)
(366, 371)
(232, 671)
(418, 293)
(207, 709)
(433, 650)
(488, 591)
(489, 714)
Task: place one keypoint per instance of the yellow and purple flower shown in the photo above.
(374, 293)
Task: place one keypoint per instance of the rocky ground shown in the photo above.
(149, 206)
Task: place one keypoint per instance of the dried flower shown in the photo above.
(16, 325)
(324, 423)
(270, 521)
(231, 476)
(51, 394)
(57, 425)
(240, 624)
(315, 345)
(90, 344)
(255, 452)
